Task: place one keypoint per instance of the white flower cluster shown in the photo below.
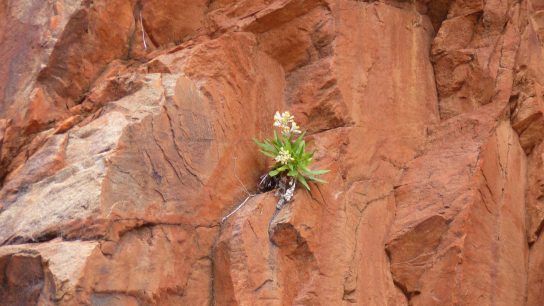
(284, 156)
(286, 122)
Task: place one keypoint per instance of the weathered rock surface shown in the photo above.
(126, 136)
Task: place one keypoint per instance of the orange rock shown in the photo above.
(535, 279)
(126, 136)
(467, 224)
(67, 124)
(161, 29)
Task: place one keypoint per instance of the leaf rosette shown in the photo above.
(289, 152)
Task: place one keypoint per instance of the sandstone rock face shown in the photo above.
(126, 136)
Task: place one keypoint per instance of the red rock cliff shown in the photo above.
(125, 138)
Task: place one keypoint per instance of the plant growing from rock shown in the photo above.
(292, 160)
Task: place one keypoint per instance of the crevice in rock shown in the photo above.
(213, 266)
(106, 296)
(538, 233)
(75, 234)
(278, 17)
(436, 10)
(179, 151)
(352, 275)
(43, 237)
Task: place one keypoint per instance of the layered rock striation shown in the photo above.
(126, 134)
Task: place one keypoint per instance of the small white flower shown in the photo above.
(277, 120)
(287, 117)
(283, 120)
(295, 129)
(286, 131)
(284, 157)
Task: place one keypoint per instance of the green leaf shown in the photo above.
(300, 148)
(277, 170)
(315, 179)
(315, 172)
(263, 147)
(288, 147)
(268, 153)
(267, 146)
(302, 180)
(319, 172)
(299, 140)
(301, 137)
(307, 157)
(292, 172)
(277, 140)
